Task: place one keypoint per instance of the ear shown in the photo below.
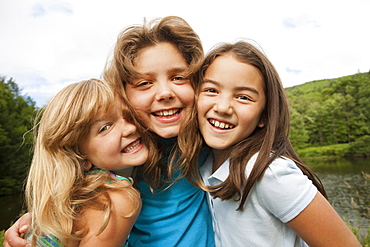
(261, 124)
(87, 165)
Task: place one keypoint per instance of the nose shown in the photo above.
(128, 128)
(223, 105)
(165, 91)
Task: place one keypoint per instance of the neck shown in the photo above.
(220, 155)
(126, 172)
(166, 141)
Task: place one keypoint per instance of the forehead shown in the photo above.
(109, 107)
(159, 55)
(226, 70)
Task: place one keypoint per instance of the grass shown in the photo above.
(361, 233)
(330, 152)
(2, 237)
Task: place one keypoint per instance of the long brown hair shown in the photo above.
(120, 70)
(271, 141)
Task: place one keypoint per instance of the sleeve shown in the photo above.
(284, 190)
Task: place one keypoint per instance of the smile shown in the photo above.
(167, 113)
(221, 125)
(132, 146)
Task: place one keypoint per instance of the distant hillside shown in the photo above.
(332, 111)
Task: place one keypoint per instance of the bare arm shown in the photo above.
(12, 236)
(118, 228)
(320, 225)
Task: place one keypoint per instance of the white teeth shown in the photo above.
(166, 112)
(132, 147)
(221, 125)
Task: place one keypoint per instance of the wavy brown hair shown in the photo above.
(58, 189)
(271, 141)
(120, 70)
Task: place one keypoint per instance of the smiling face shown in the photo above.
(113, 144)
(230, 103)
(163, 92)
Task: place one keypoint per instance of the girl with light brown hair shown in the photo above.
(78, 189)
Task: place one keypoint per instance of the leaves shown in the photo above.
(15, 140)
(333, 111)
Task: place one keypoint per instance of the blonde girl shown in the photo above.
(86, 146)
(261, 192)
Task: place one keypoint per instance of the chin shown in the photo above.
(167, 133)
(166, 136)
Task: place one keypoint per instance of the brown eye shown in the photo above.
(244, 97)
(104, 128)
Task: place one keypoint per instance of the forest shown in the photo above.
(329, 118)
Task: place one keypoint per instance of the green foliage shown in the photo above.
(2, 236)
(360, 231)
(361, 147)
(328, 112)
(335, 151)
(15, 140)
(298, 133)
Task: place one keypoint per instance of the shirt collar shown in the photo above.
(218, 176)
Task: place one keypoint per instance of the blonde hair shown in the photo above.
(58, 189)
(120, 70)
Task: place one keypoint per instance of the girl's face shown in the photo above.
(230, 102)
(163, 92)
(113, 144)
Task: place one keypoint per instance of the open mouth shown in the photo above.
(132, 146)
(220, 125)
(167, 113)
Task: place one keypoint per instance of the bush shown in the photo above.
(361, 147)
(2, 237)
(9, 186)
(330, 152)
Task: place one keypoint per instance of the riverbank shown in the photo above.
(358, 149)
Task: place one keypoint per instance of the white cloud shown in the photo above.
(47, 44)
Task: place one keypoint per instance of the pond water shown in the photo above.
(346, 182)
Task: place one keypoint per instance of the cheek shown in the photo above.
(201, 105)
(187, 95)
(138, 99)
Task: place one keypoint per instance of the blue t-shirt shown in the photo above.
(176, 216)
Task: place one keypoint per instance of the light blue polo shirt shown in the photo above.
(282, 193)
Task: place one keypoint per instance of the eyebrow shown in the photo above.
(171, 70)
(251, 89)
(178, 69)
(103, 118)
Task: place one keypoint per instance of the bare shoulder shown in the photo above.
(125, 207)
(125, 202)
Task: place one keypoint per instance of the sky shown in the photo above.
(48, 44)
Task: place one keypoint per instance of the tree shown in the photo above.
(298, 133)
(15, 136)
